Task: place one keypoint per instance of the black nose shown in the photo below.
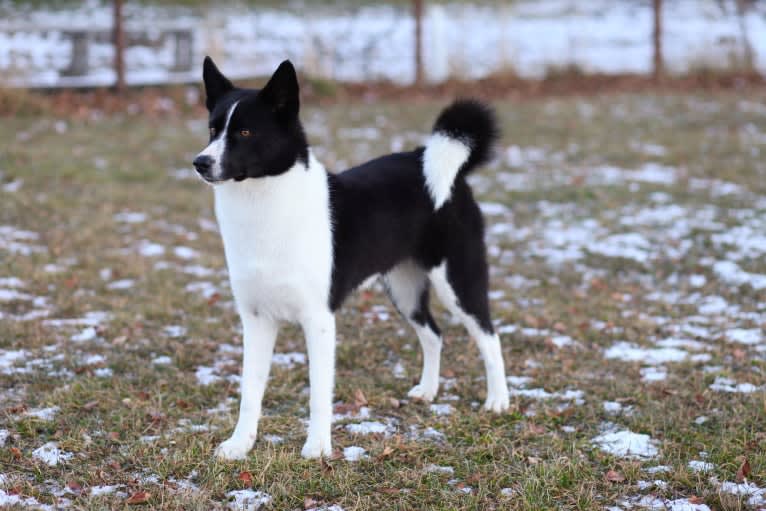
(203, 163)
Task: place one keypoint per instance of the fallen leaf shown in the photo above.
(214, 298)
(74, 486)
(140, 497)
(16, 453)
(90, 405)
(113, 435)
(359, 398)
(614, 477)
(326, 467)
(246, 477)
(532, 460)
(535, 429)
(394, 402)
(389, 490)
(308, 503)
(337, 454)
(743, 471)
(387, 451)
(696, 500)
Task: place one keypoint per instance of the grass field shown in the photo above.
(627, 237)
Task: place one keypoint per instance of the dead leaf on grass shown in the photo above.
(140, 497)
(743, 471)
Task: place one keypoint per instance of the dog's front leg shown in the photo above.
(260, 333)
(319, 330)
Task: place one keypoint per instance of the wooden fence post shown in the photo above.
(659, 63)
(418, 14)
(118, 37)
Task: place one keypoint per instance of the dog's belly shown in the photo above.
(282, 291)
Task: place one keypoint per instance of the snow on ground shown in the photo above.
(626, 444)
(354, 453)
(50, 454)
(247, 500)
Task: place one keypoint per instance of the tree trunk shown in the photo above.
(659, 64)
(119, 48)
(418, 13)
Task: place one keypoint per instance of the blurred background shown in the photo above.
(118, 43)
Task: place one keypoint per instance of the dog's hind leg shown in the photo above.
(319, 329)
(407, 285)
(260, 333)
(464, 293)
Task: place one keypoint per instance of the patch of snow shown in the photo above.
(130, 217)
(185, 252)
(653, 373)
(121, 284)
(722, 384)
(439, 469)
(626, 444)
(700, 466)
(367, 428)
(162, 360)
(44, 414)
(288, 360)
(441, 409)
(88, 334)
(50, 454)
(206, 375)
(147, 248)
(174, 330)
(748, 336)
(353, 453)
(247, 500)
(108, 489)
(659, 469)
(629, 352)
(755, 494)
(612, 407)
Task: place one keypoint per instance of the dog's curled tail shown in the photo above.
(462, 140)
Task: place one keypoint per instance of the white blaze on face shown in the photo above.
(217, 146)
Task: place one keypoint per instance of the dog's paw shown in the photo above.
(316, 447)
(497, 403)
(422, 393)
(233, 449)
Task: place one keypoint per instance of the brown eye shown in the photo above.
(212, 132)
(244, 133)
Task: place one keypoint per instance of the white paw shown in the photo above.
(497, 402)
(233, 449)
(316, 447)
(422, 393)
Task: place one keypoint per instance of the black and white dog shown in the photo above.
(298, 240)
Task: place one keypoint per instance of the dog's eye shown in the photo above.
(244, 133)
(212, 132)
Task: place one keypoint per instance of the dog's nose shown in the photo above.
(203, 163)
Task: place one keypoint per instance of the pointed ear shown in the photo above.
(216, 85)
(282, 91)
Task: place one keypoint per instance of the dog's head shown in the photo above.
(253, 133)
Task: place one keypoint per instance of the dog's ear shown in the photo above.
(282, 91)
(216, 85)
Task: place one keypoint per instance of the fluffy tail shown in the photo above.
(461, 140)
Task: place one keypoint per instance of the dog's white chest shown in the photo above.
(278, 241)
